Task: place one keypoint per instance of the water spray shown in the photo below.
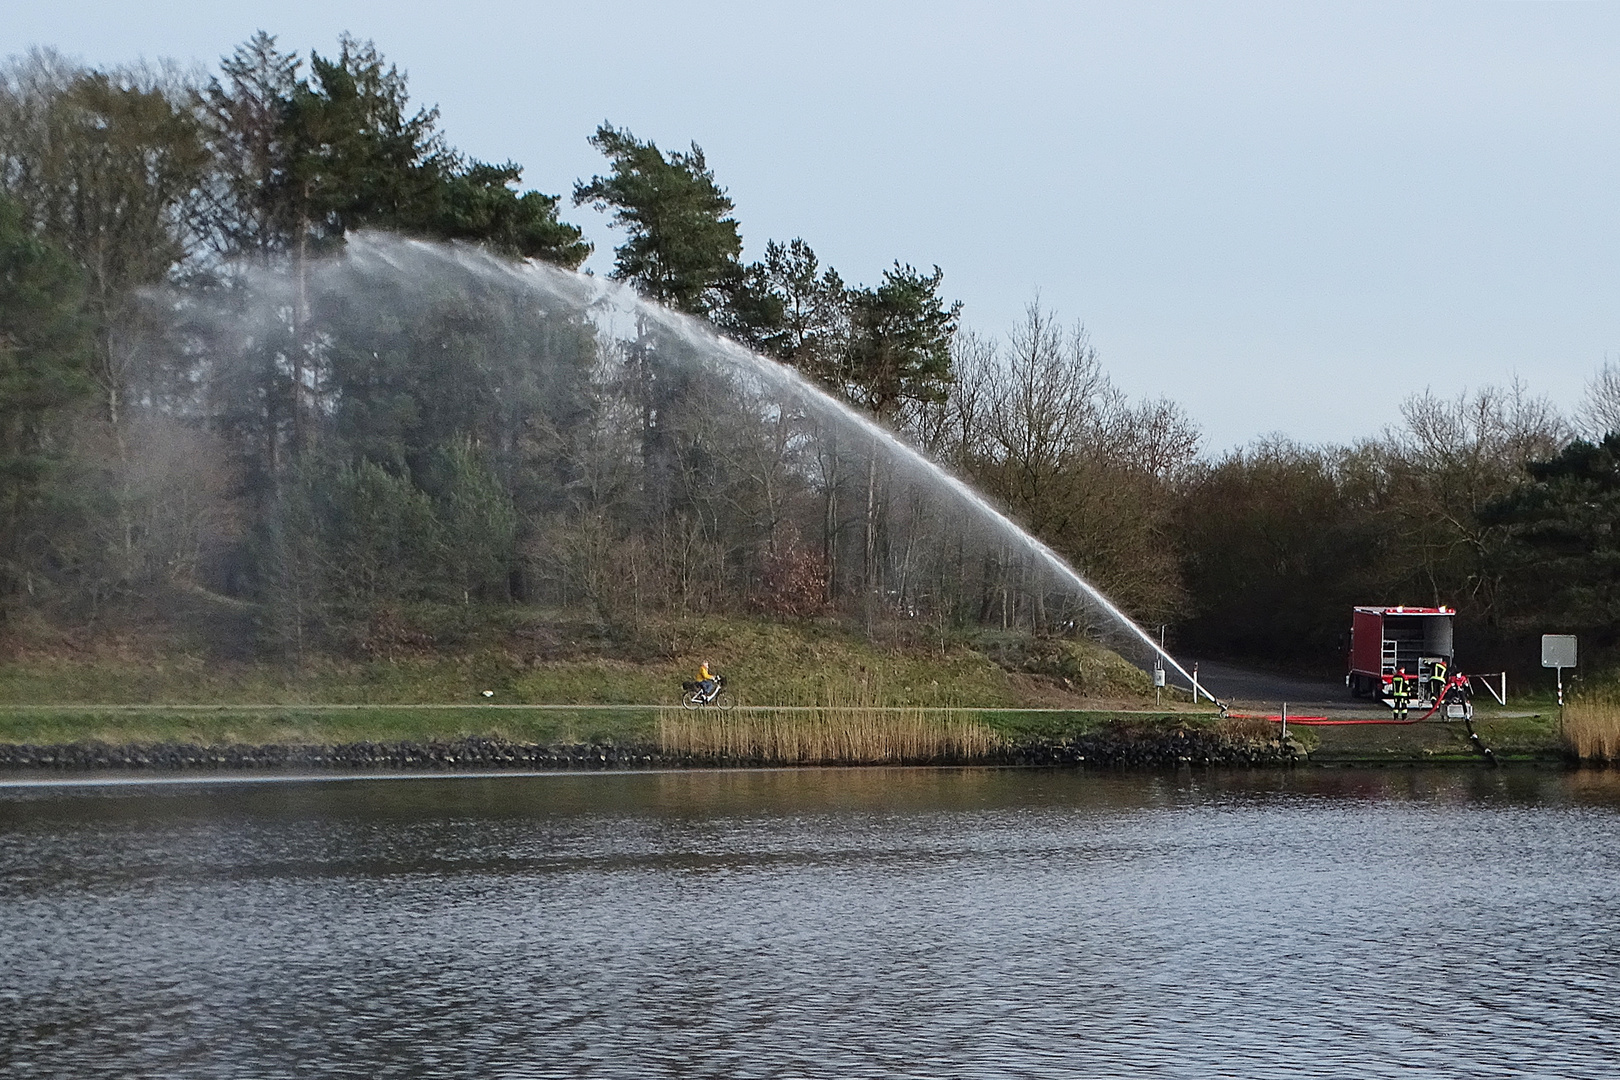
(607, 297)
(699, 334)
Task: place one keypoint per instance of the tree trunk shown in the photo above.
(829, 523)
(869, 556)
(300, 315)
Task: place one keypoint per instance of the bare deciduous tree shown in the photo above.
(1599, 413)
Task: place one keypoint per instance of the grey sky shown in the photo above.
(1286, 216)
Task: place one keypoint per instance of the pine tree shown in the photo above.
(789, 308)
(900, 341)
(682, 246)
(1562, 549)
(245, 210)
(45, 344)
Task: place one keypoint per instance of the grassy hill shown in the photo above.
(167, 679)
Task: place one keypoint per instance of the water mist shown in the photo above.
(381, 269)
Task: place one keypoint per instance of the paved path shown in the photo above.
(1251, 688)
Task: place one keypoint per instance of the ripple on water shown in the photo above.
(820, 923)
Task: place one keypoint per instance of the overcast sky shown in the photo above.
(1287, 216)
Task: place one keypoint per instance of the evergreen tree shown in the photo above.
(105, 166)
(1562, 552)
(309, 158)
(479, 202)
(682, 246)
(245, 109)
(346, 546)
(477, 523)
(379, 534)
(44, 346)
(899, 353)
(356, 154)
(900, 342)
(787, 307)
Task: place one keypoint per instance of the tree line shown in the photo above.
(361, 463)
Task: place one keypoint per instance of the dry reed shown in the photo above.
(827, 735)
(1592, 728)
(1248, 727)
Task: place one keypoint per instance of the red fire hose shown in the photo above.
(1322, 721)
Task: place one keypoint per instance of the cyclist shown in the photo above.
(706, 681)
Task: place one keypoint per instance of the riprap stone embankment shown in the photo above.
(1103, 748)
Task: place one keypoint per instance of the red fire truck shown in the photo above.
(1384, 640)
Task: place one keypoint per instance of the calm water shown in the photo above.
(843, 923)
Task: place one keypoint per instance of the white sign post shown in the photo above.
(1558, 651)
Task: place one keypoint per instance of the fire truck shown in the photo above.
(1417, 640)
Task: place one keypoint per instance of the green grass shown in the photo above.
(147, 689)
(155, 690)
(767, 663)
(227, 724)
(188, 681)
(1511, 738)
(223, 724)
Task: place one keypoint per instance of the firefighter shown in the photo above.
(1437, 681)
(1400, 690)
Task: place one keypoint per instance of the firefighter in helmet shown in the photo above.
(1437, 681)
(1400, 692)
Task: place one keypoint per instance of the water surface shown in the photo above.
(829, 923)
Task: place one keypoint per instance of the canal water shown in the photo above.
(828, 923)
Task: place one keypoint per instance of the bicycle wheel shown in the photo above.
(724, 702)
(692, 699)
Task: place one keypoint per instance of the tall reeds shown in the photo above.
(827, 735)
(1592, 727)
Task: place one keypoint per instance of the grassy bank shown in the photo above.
(811, 692)
(707, 731)
(292, 725)
(596, 683)
(785, 735)
(550, 659)
(1510, 737)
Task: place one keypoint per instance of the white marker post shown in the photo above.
(1558, 651)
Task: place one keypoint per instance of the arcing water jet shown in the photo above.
(375, 267)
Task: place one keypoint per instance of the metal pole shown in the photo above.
(1284, 720)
